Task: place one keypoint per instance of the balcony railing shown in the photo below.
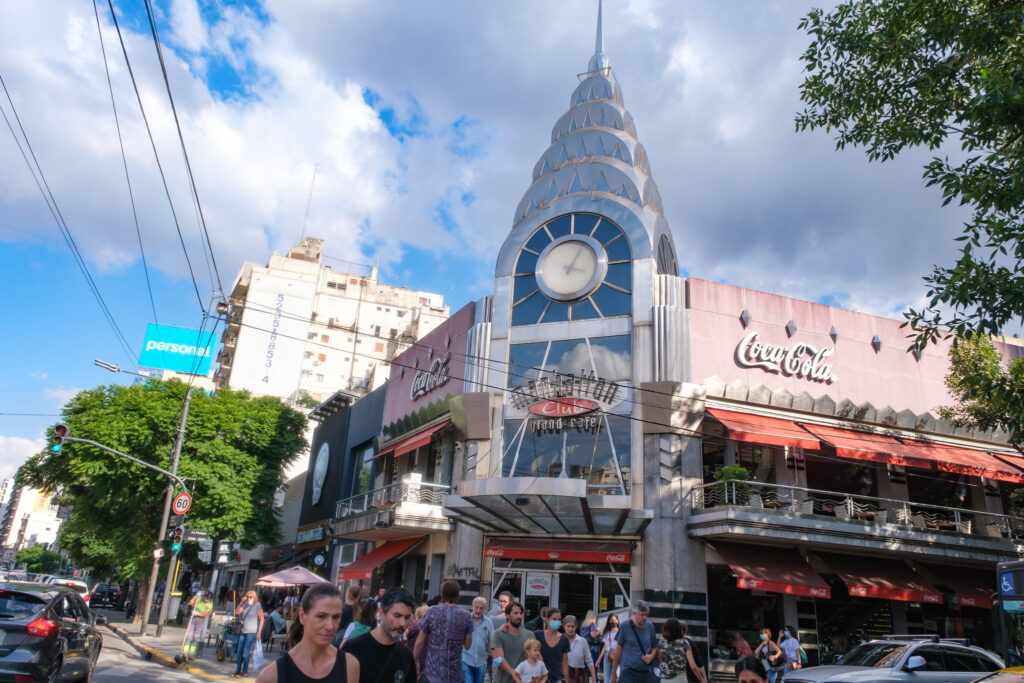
(406, 491)
(780, 498)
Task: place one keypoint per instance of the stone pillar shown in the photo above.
(463, 560)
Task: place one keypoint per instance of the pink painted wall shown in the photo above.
(890, 377)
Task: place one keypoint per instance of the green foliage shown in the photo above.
(39, 560)
(234, 450)
(307, 401)
(889, 75)
(989, 389)
(731, 489)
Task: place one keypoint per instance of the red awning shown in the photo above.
(560, 551)
(967, 461)
(868, 446)
(411, 443)
(363, 567)
(767, 430)
(872, 577)
(969, 589)
(776, 570)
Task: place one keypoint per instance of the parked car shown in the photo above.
(47, 632)
(80, 586)
(105, 595)
(905, 658)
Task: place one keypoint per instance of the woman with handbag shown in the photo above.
(581, 662)
(791, 647)
(250, 614)
(770, 654)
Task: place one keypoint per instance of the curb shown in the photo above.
(150, 653)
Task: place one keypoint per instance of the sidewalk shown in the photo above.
(164, 648)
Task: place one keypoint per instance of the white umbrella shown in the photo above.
(293, 576)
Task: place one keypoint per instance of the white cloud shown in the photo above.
(60, 395)
(14, 451)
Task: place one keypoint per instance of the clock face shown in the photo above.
(571, 267)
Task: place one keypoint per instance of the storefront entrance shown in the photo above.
(575, 588)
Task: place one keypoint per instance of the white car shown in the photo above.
(923, 659)
(80, 586)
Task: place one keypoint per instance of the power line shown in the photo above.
(124, 161)
(156, 155)
(181, 139)
(51, 203)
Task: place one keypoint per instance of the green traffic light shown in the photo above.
(175, 547)
(55, 448)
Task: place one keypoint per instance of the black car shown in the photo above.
(47, 633)
(105, 595)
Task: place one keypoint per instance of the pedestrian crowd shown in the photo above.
(389, 638)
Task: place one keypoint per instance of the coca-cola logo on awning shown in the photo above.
(798, 360)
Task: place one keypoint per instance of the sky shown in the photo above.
(404, 135)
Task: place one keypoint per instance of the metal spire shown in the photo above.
(598, 63)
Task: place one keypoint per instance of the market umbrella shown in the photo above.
(293, 576)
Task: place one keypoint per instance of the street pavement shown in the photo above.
(128, 656)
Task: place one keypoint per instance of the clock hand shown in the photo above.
(569, 268)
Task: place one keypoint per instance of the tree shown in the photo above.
(889, 75)
(38, 559)
(988, 385)
(235, 449)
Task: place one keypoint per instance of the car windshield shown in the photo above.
(18, 605)
(882, 655)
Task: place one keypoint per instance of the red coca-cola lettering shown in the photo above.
(563, 407)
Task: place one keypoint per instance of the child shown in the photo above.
(532, 669)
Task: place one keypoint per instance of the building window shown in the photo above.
(424, 300)
(325, 338)
(393, 332)
(378, 308)
(400, 314)
(321, 357)
(378, 347)
(320, 378)
(311, 335)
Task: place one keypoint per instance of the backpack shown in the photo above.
(697, 660)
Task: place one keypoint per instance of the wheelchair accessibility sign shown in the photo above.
(1006, 585)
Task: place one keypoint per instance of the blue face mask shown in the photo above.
(555, 624)
(786, 633)
(764, 637)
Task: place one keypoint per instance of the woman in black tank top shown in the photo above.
(312, 658)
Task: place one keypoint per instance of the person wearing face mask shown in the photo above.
(250, 613)
(769, 653)
(554, 646)
(791, 648)
(604, 659)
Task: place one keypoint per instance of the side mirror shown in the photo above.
(100, 620)
(914, 663)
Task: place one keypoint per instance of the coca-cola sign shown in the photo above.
(435, 376)
(797, 360)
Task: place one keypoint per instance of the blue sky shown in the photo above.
(423, 122)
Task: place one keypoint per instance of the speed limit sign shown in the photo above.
(182, 502)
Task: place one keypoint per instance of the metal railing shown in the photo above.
(405, 491)
(794, 499)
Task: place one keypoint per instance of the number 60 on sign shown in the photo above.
(182, 502)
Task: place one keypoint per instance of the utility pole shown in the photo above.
(175, 454)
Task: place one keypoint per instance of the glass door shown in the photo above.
(612, 595)
(539, 589)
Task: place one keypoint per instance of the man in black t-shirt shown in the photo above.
(378, 656)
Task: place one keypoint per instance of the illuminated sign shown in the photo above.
(177, 348)
(563, 407)
(798, 360)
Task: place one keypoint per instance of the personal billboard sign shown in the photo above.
(177, 348)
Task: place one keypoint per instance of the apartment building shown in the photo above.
(298, 328)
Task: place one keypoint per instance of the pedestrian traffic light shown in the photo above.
(60, 432)
(176, 536)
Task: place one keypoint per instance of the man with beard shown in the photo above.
(377, 656)
(507, 645)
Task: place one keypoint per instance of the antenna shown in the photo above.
(309, 200)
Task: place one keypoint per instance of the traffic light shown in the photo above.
(60, 432)
(176, 536)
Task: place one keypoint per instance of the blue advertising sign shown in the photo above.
(177, 348)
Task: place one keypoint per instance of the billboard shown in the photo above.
(177, 348)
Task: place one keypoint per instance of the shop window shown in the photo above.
(828, 472)
(738, 614)
(713, 444)
(758, 460)
(945, 489)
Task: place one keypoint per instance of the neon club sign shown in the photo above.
(566, 401)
